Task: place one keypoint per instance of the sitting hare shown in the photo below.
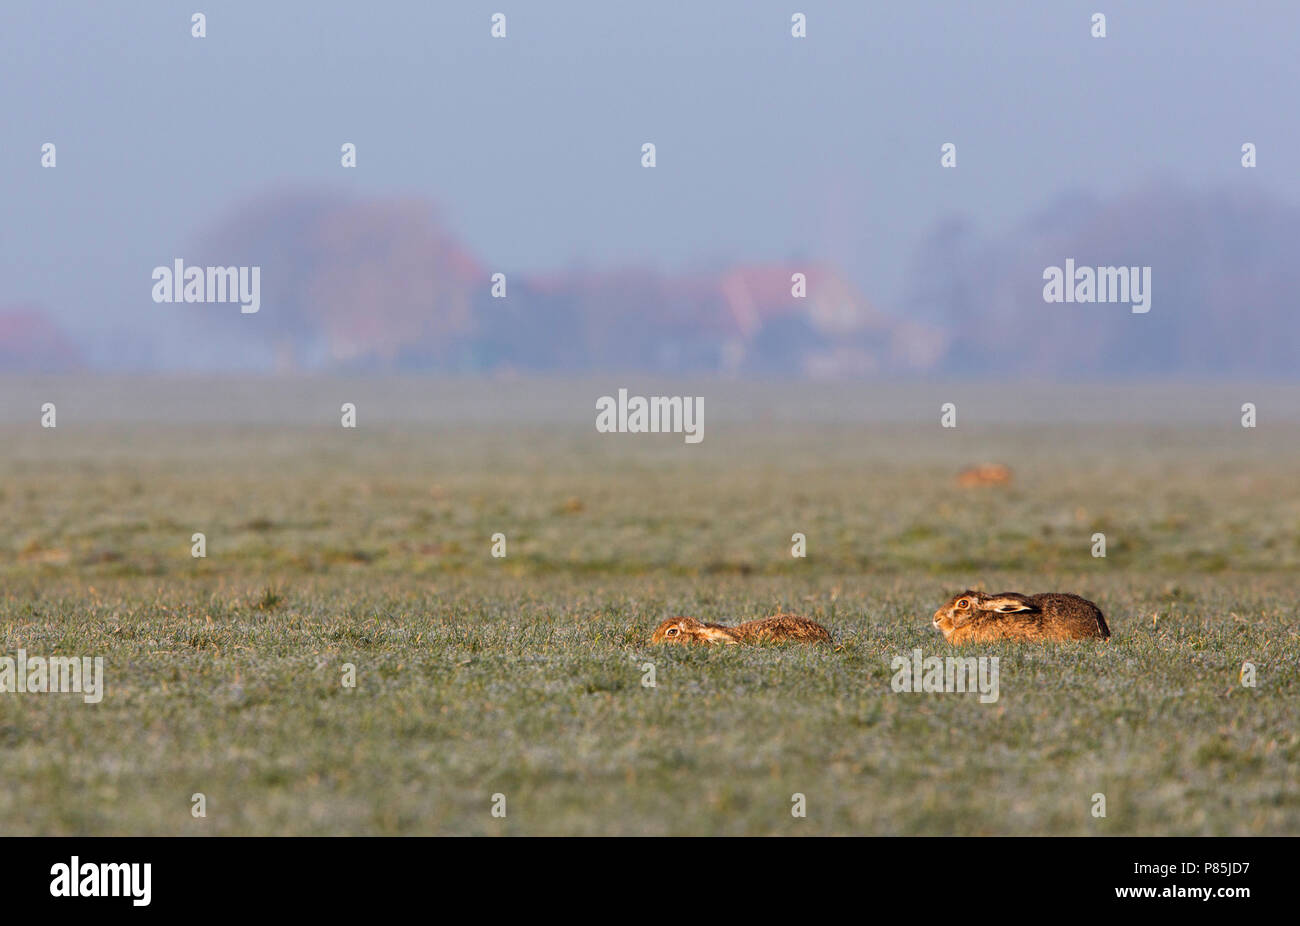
(973, 617)
(783, 628)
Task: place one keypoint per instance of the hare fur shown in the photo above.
(782, 628)
(974, 617)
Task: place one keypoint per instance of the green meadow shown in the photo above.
(350, 658)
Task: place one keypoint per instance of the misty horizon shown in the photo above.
(522, 156)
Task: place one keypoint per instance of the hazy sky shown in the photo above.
(768, 147)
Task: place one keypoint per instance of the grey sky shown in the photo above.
(768, 147)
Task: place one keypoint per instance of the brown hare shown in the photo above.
(783, 628)
(974, 617)
(986, 474)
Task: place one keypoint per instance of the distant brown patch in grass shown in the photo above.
(985, 474)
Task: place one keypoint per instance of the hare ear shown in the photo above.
(1004, 604)
(715, 635)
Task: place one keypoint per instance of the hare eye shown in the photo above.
(672, 631)
(964, 603)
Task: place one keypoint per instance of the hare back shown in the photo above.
(782, 628)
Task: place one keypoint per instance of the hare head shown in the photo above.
(969, 605)
(689, 630)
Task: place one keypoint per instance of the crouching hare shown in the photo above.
(973, 617)
(783, 628)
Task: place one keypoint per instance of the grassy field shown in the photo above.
(523, 675)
